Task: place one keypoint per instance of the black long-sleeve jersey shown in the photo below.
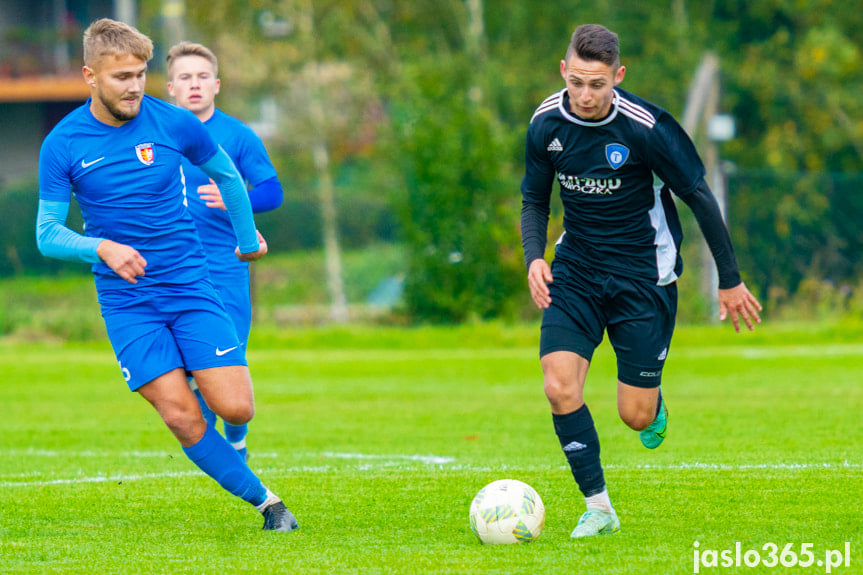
(617, 217)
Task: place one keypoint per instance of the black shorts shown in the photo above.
(638, 314)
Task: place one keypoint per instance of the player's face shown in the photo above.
(590, 86)
(116, 86)
(194, 85)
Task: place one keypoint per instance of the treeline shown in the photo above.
(416, 112)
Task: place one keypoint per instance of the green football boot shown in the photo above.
(596, 522)
(653, 435)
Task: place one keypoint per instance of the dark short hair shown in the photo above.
(592, 42)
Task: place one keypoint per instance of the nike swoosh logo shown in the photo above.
(88, 164)
(221, 352)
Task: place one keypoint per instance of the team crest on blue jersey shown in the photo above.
(145, 153)
(616, 154)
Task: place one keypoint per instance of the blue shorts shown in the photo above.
(638, 315)
(155, 330)
(238, 304)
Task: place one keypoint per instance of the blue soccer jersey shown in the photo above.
(214, 226)
(126, 180)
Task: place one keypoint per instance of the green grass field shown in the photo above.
(379, 438)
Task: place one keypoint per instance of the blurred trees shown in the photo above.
(793, 73)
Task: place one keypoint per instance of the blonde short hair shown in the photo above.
(106, 36)
(177, 51)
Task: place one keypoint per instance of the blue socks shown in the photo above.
(236, 436)
(577, 435)
(215, 457)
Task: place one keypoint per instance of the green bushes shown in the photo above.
(50, 307)
(459, 205)
(19, 203)
(793, 229)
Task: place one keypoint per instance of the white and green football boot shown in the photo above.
(596, 522)
(653, 435)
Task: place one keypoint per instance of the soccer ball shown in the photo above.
(507, 511)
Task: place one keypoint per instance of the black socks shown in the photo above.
(580, 443)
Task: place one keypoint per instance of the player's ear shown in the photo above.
(170, 86)
(618, 76)
(89, 76)
(218, 86)
(563, 69)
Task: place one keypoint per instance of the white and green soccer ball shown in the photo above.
(507, 511)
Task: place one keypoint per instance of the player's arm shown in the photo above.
(223, 172)
(674, 158)
(267, 195)
(535, 197)
(704, 206)
(734, 298)
(266, 191)
(534, 227)
(251, 160)
(534, 230)
(264, 197)
(55, 240)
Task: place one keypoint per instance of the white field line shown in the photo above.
(429, 459)
(374, 462)
(30, 452)
(117, 478)
(740, 466)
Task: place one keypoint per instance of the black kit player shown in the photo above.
(616, 264)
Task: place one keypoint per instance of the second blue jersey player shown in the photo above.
(193, 83)
(120, 154)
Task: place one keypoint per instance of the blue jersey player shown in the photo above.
(616, 265)
(120, 154)
(193, 83)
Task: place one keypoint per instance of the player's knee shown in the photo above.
(635, 417)
(563, 380)
(187, 426)
(562, 396)
(239, 413)
(553, 388)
